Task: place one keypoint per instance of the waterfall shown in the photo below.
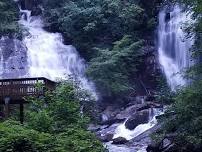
(48, 56)
(173, 45)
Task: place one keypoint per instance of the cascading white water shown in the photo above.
(122, 131)
(48, 56)
(173, 45)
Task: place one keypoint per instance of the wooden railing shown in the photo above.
(17, 89)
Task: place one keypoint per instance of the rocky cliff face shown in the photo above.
(151, 70)
(13, 62)
(32, 5)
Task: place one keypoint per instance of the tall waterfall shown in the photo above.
(173, 45)
(48, 56)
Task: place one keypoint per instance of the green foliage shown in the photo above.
(186, 122)
(40, 121)
(195, 72)
(164, 94)
(8, 18)
(96, 27)
(95, 23)
(53, 123)
(184, 118)
(17, 138)
(111, 69)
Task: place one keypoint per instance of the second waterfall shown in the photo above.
(173, 45)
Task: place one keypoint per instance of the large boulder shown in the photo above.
(108, 116)
(105, 138)
(165, 145)
(153, 148)
(13, 62)
(131, 110)
(94, 128)
(119, 141)
(137, 119)
(36, 11)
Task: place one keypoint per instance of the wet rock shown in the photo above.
(96, 128)
(107, 130)
(27, 4)
(153, 148)
(108, 116)
(119, 141)
(131, 110)
(36, 11)
(31, 5)
(136, 119)
(105, 138)
(168, 17)
(144, 107)
(93, 128)
(13, 62)
(150, 98)
(137, 100)
(165, 145)
(112, 121)
(172, 148)
(154, 105)
(127, 112)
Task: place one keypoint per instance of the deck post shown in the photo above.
(7, 109)
(13, 91)
(21, 113)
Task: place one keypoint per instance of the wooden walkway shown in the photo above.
(13, 91)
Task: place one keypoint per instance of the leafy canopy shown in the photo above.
(53, 124)
(111, 69)
(9, 15)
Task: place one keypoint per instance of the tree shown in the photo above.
(112, 69)
(184, 118)
(53, 124)
(9, 16)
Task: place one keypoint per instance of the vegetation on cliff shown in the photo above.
(183, 121)
(9, 16)
(111, 35)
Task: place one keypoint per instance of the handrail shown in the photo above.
(18, 88)
(21, 79)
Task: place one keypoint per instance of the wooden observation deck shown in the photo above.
(14, 91)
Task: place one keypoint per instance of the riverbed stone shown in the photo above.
(119, 141)
(136, 119)
(36, 11)
(106, 137)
